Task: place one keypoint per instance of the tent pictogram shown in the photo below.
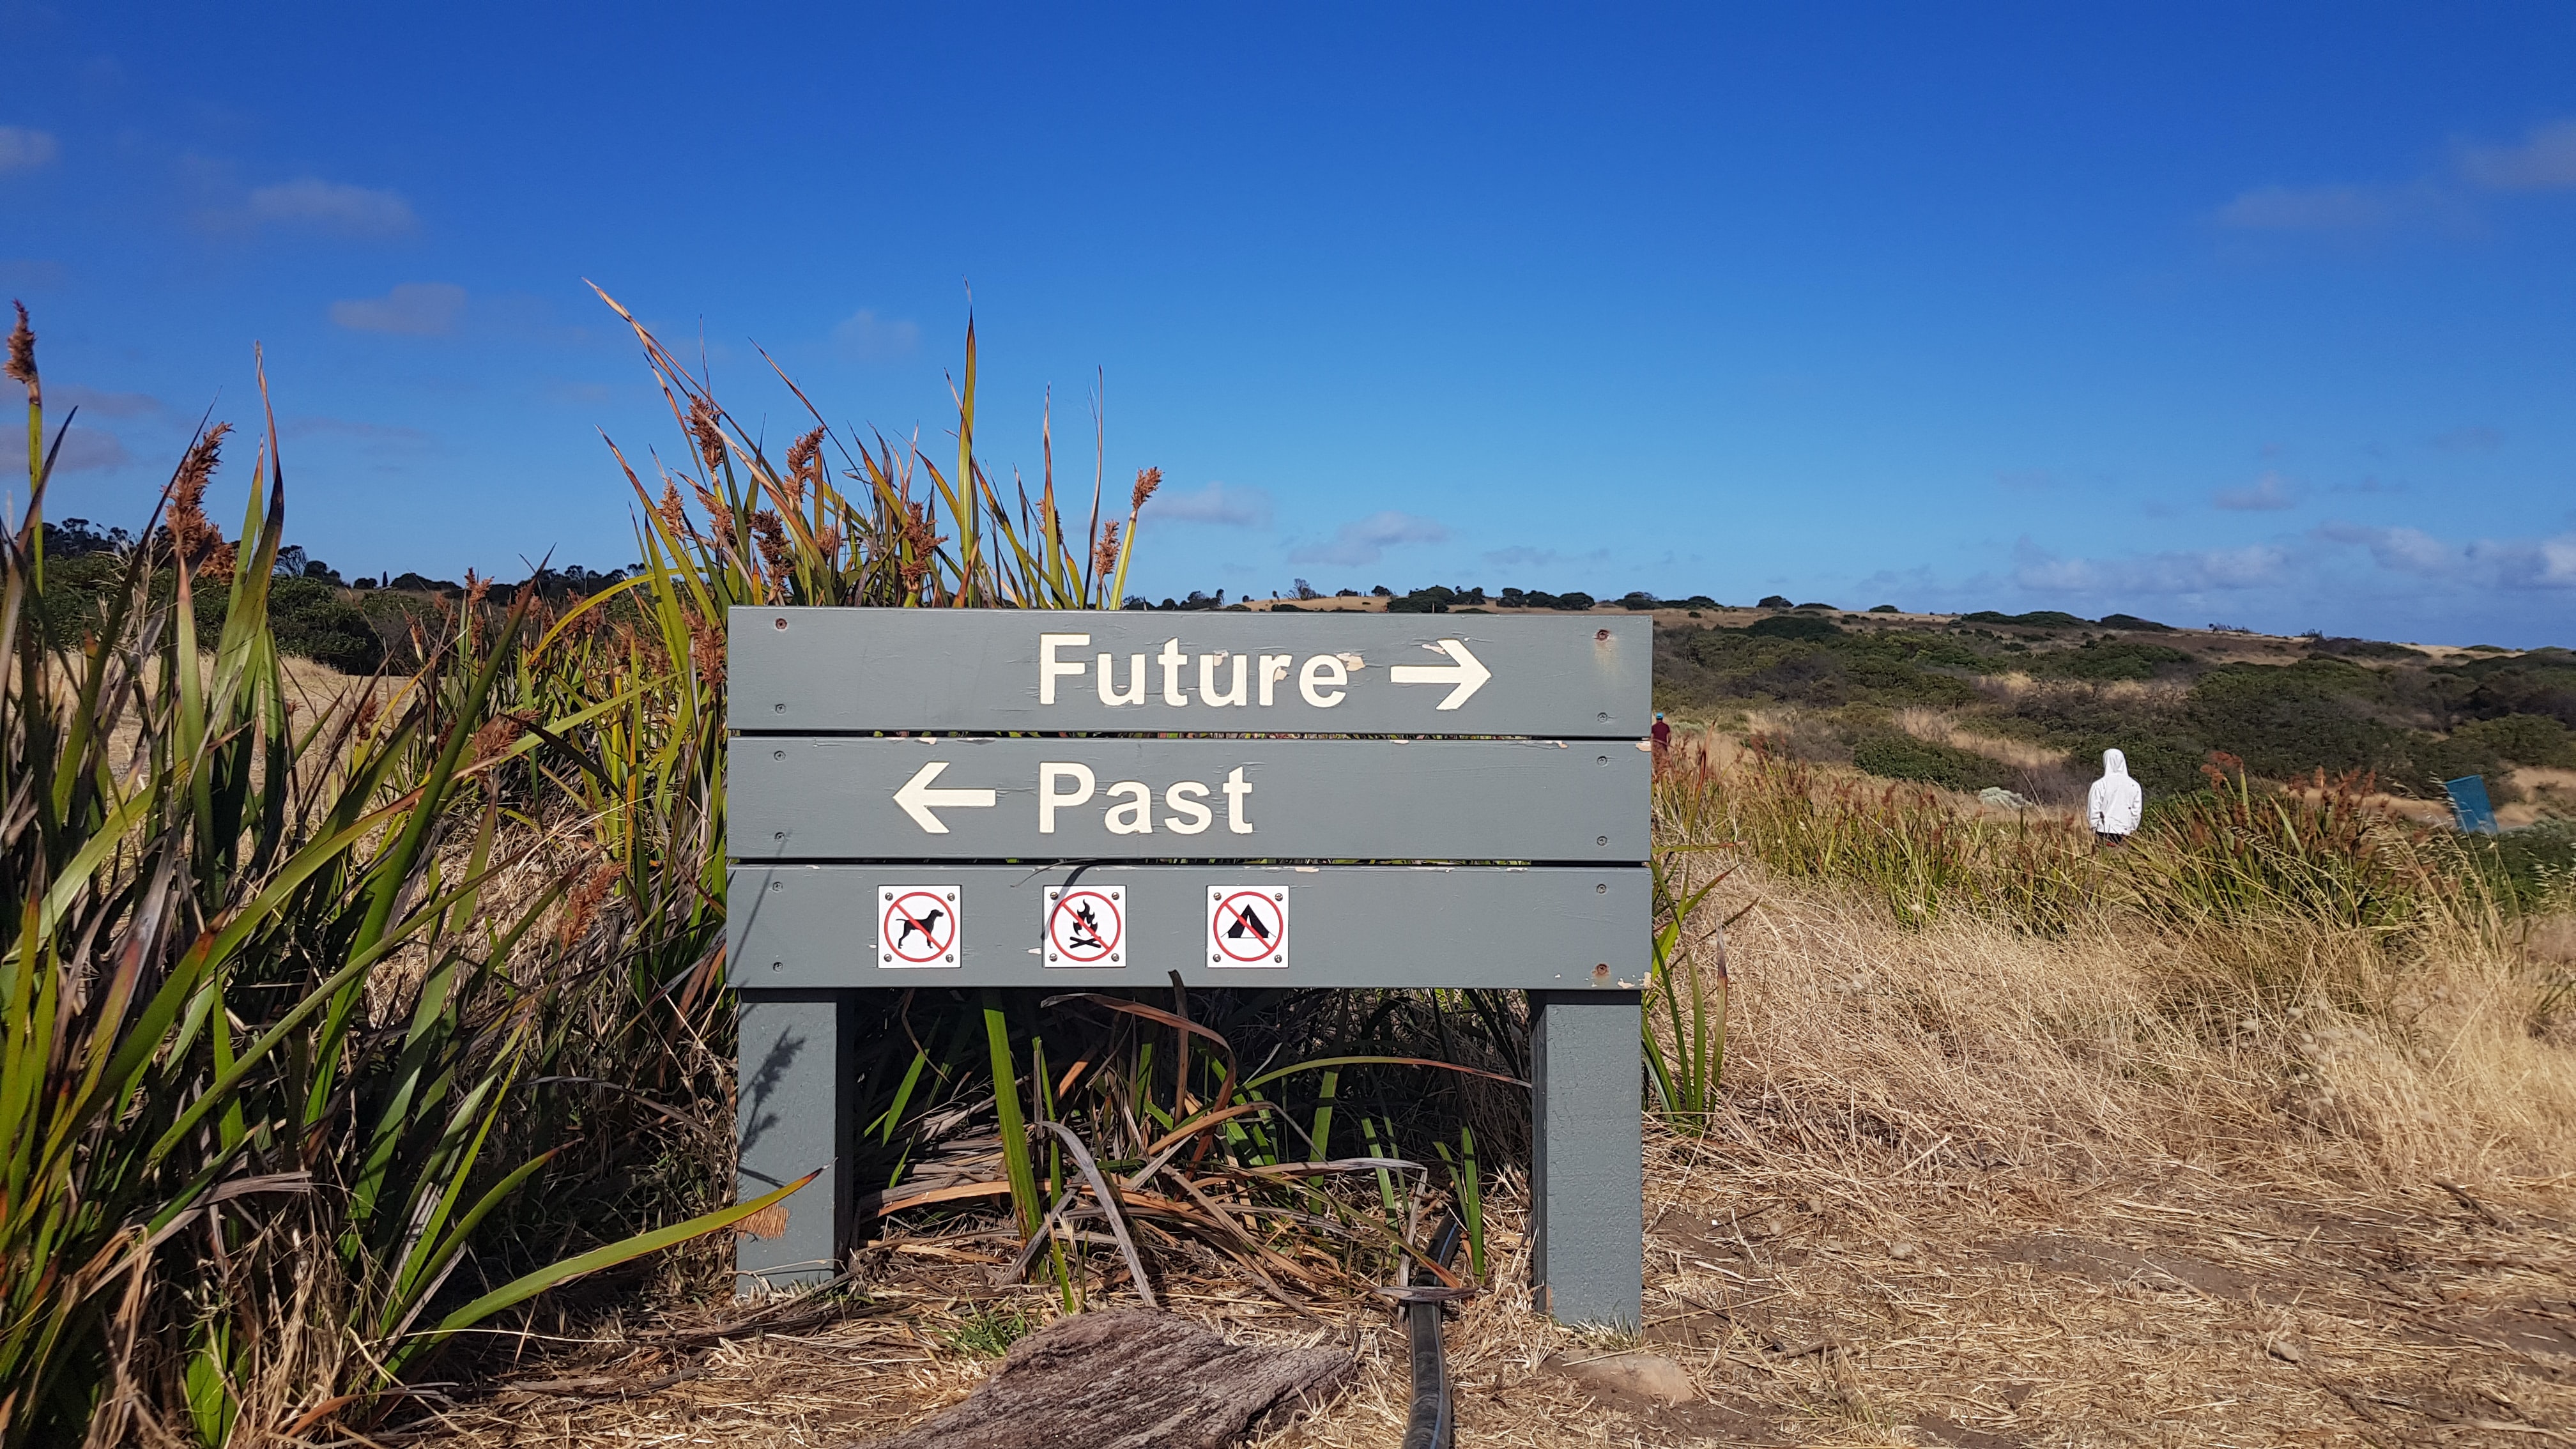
(1086, 926)
(917, 925)
(1247, 926)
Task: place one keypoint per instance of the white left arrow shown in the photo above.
(1469, 673)
(918, 799)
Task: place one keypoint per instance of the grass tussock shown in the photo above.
(2293, 977)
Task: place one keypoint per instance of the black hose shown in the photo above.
(1430, 1425)
(1433, 1423)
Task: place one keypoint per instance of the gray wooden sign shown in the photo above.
(1538, 927)
(1132, 672)
(930, 798)
(961, 798)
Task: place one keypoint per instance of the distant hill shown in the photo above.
(2028, 701)
(1982, 699)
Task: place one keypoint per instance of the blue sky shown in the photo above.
(2262, 315)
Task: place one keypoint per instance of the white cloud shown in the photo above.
(2313, 208)
(2194, 571)
(2268, 494)
(419, 309)
(2399, 550)
(1366, 540)
(103, 404)
(378, 438)
(24, 149)
(2505, 563)
(867, 337)
(1521, 556)
(2545, 161)
(331, 207)
(87, 450)
(2548, 563)
(1217, 503)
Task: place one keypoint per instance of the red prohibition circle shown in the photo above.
(1225, 911)
(927, 922)
(1117, 926)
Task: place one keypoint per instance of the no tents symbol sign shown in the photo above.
(1086, 925)
(1247, 926)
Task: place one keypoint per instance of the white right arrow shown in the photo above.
(1469, 673)
(916, 797)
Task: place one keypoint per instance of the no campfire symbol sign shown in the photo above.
(1086, 925)
(1247, 926)
(917, 925)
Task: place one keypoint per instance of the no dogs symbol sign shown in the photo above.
(1086, 925)
(917, 925)
(1247, 926)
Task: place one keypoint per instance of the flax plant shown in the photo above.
(268, 1006)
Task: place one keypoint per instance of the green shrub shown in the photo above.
(2036, 619)
(74, 587)
(2109, 659)
(1893, 681)
(2524, 739)
(2164, 765)
(2362, 649)
(2134, 624)
(2531, 865)
(1894, 756)
(2541, 682)
(1793, 626)
(2285, 722)
(2432, 759)
(309, 620)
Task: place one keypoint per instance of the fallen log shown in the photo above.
(1129, 1378)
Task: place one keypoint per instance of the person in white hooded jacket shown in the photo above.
(2116, 801)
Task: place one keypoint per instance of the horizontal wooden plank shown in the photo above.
(992, 670)
(809, 927)
(1107, 798)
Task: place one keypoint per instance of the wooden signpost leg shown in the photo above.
(1587, 1186)
(794, 1114)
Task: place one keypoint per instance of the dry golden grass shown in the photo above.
(1967, 1187)
(2548, 794)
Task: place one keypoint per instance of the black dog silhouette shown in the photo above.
(928, 925)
